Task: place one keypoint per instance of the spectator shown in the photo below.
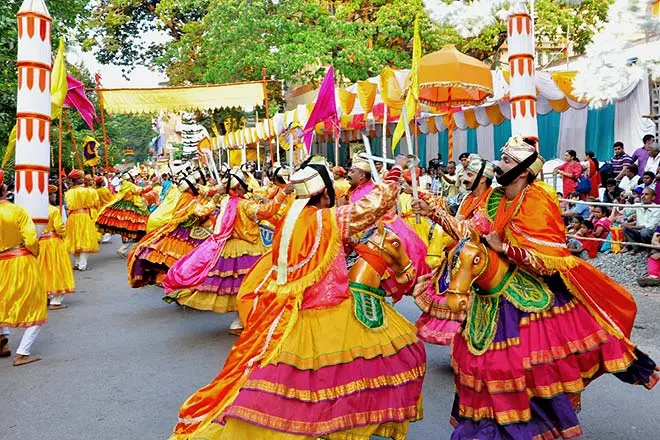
(464, 161)
(652, 277)
(641, 155)
(620, 215)
(619, 161)
(601, 222)
(593, 172)
(578, 244)
(449, 180)
(576, 208)
(612, 191)
(630, 179)
(653, 160)
(574, 225)
(648, 180)
(571, 170)
(657, 186)
(646, 221)
(436, 182)
(424, 179)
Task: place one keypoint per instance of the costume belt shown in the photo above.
(16, 251)
(48, 235)
(79, 211)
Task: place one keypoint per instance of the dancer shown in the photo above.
(81, 234)
(105, 196)
(438, 323)
(309, 364)
(23, 298)
(190, 224)
(126, 214)
(542, 323)
(54, 261)
(209, 277)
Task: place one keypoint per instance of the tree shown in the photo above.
(65, 14)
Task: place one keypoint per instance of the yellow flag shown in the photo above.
(412, 98)
(11, 147)
(58, 83)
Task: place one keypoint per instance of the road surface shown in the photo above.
(118, 363)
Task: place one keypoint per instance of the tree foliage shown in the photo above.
(231, 40)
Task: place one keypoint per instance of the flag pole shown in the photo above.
(105, 140)
(384, 142)
(73, 139)
(413, 169)
(59, 163)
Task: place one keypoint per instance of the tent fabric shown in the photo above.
(599, 136)
(176, 99)
(572, 131)
(629, 124)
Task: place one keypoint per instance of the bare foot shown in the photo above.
(57, 306)
(21, 359)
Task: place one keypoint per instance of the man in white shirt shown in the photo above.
(630, 179)
(653, 162)
(647, 219)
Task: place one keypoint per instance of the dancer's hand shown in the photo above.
(289, 189)
(495, 242)
(420, 207)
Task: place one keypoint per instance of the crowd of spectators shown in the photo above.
(632, 181)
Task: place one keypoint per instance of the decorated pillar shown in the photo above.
(522, 92)
(33, 111)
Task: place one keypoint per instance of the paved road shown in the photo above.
(118, 363)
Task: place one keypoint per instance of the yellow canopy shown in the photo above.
(175, 99)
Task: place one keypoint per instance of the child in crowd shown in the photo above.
(601, 221)
(574, 225)
(578, 245)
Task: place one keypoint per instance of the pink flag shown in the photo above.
(76, 98)
(324, 109)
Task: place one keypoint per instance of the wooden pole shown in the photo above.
(105, 138)
(73, 138)
(384, 142)
(265, 87)
(59, 162)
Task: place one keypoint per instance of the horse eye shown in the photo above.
(476, 260)
(395, 244)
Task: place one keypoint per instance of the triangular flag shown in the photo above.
(325, 108)
(58, 83)
(412, 98)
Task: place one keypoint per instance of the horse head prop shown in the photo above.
(382, 251)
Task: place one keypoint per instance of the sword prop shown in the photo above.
(372, 165)
(413, 170)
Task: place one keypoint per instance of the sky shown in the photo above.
(111, 75)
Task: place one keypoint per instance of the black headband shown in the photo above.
(240, 181)
(511, 175)
(480, 174)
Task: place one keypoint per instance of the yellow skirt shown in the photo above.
(23, 301)
(81, 234)
(55, 266)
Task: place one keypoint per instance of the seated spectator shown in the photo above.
(612, 191)
(620, 215)
(578, 245)
(645, 222)
(652, 277)
(630, 179)
(601, 222)
(648, 180)
(575, 208)
(563, 205)
(618, 161)
(574, 225)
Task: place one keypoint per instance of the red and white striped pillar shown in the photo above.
(33, 112)
(522, 92)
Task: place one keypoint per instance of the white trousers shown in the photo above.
(28, 339)
(80, 261)
(56, 300)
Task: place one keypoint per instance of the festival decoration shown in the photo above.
(522, 95)
(325, 108)
(33, 110)
(90, 151)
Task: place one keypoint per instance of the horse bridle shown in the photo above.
(381, 249)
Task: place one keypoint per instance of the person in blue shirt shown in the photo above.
(575, 208)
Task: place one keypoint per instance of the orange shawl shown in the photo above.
(536, 226)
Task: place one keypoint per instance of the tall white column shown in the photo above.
(33, 113)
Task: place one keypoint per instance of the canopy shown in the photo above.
(176, 99)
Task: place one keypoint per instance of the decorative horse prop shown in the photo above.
(379, 254)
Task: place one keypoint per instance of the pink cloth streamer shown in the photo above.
(325, 108)
(76, 98)
(194, 268)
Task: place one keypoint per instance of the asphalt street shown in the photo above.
(118, 363)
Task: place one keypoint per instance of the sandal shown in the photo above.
(4, 347)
